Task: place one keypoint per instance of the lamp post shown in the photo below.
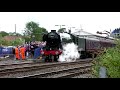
(60, 25)
(70, 29)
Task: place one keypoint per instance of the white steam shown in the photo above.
(65, 35)
(70, 51)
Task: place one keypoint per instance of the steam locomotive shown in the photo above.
(53, 47)
(88, 45)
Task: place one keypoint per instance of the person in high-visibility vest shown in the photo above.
(17, 53)
(22, 52)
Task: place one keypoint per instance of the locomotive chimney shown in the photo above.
(69, 31)
(53, 30)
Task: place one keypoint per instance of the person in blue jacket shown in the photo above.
(37, 51)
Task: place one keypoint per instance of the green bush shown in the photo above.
(17, 42)
(111, 60)
(12, 43)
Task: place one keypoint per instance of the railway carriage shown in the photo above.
(89, 45)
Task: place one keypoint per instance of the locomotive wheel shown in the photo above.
(50, 58)
(55, 58)
(46, 59)
(83, 55)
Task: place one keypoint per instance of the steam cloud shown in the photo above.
(65, 35)
(70, 52)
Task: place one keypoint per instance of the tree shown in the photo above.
(61, 30)
(116, 33)
(18, 41)
(30, 28)
(39, 33)
(33, 31)
(3, 33)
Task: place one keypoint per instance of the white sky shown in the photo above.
(90, 21)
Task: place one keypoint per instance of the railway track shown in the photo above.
(65, 73)
(28, 67)
(15, 62)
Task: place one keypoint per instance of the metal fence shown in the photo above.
(6, 51)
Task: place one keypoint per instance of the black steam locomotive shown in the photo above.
(53, 47)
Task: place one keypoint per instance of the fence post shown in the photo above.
(102, 72)
(93, 55)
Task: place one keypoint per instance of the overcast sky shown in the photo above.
(89, 21)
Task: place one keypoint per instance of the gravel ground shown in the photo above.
(84, 76)
(67, 73)
(8, 62)
(12, 61)
(20, 64)
(42, 71)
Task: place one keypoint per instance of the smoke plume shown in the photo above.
(70, 51)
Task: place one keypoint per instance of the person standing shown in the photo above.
(36, 51)
(26, 50)
(22, 52)
(32, 49)
(17, 53)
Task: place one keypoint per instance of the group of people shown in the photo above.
(29, 50)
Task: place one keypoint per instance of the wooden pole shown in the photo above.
(15, 28)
